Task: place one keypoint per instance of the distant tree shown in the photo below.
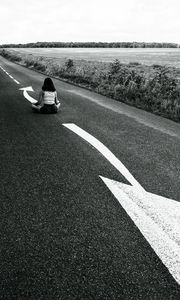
(91, 45)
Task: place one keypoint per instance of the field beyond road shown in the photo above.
(147, 56)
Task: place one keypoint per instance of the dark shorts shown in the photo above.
(49, 109)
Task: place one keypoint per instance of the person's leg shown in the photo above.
(45, 109)
(53, 109)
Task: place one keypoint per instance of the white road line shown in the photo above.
(16, 81)
(158, 219)
(10, 76)
(105, 152)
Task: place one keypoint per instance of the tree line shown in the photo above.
(91, 45)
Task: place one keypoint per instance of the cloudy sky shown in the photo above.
(93, 20)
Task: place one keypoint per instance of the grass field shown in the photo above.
(148, 56)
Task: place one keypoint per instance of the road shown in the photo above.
(64, 234)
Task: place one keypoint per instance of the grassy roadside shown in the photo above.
(153, 88)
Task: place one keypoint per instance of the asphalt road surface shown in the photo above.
(64, 235)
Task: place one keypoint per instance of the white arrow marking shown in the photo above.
(29, 98)
(158, 219)
(106, 153)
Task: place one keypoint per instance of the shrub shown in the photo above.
(156, 66)
(40, 66)
(134, 63)
(115, 66)
(69, 64)
(29, 62)
(53, 70)
(11, 56)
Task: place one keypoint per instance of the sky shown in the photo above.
(89, 21)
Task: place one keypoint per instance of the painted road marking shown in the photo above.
(16, 81)
(10, 75)
(29, 98)
(105, 152)
(158, 219)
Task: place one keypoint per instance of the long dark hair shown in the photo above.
(48, 85)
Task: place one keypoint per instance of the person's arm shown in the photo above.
(56, 99)
(40, 99)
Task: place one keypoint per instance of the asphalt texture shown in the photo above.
(63, 234)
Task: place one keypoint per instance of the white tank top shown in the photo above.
(49, 97)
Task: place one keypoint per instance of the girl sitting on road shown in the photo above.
(48, 102)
